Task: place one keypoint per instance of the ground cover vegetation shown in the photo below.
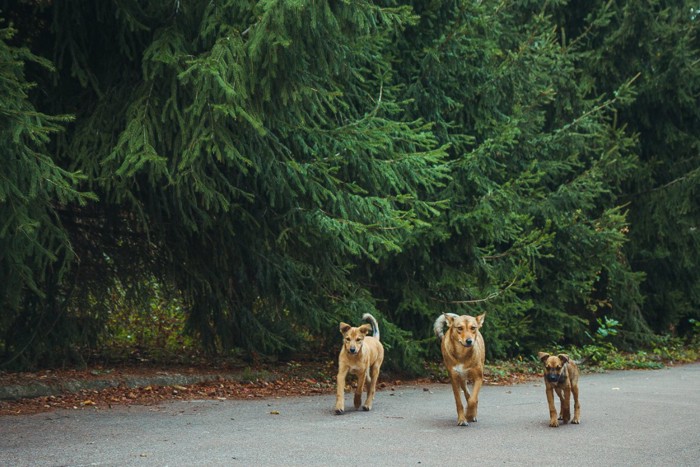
(235, 177)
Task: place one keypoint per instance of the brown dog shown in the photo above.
(361, 355)
(463, 352)
(561, 375)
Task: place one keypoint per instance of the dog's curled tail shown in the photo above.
(373, 322)
(439, 326)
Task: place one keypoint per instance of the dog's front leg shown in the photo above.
(456, 388)
(553, 422)
(340, 391)
(371, 388)
(473, 400)
(465, 390)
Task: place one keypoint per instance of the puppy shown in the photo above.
(361, 355)
(463, 352)
(561, 375)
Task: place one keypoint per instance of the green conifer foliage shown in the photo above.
(248, 152)
(281, 165)
(534, 231)
(657, 41)
(34, 248)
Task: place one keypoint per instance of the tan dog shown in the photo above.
(463, 352)
(561, 375)
(361, 355)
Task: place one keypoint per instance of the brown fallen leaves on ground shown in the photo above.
(295, 379)
(149, 395)
(291, 379)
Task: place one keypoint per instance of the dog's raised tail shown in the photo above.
(439, 325)
(373, 322)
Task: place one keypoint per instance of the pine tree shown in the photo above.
(656, 41)
(34, 248)
(534, 230)
(247, 152)
(282, 165)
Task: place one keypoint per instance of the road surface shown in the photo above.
(627, 418)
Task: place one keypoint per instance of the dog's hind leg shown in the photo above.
(564, 405)
(361, 379)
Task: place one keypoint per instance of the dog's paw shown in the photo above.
(472, 419)
(339, 411)
(462, 423)
(554, 423)
(575, 421)
(366, 408)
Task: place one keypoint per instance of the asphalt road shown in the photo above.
(627, 418)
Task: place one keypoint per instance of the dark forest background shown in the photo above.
(257, 171)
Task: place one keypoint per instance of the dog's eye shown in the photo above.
(473, 328)
(459, 328)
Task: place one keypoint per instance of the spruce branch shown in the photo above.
(488, 298)
(600, 107)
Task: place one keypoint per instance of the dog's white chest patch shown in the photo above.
(461, 370)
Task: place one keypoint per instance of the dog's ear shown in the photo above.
(365, 328)
(480, 319)
(449, 319)
(344, 327)
(543, 356)
(563, 357)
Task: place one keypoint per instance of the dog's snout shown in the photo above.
(470, 342)
(552, 377)
(353, 349)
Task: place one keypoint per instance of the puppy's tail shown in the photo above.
(373, 322)
(439, 325)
